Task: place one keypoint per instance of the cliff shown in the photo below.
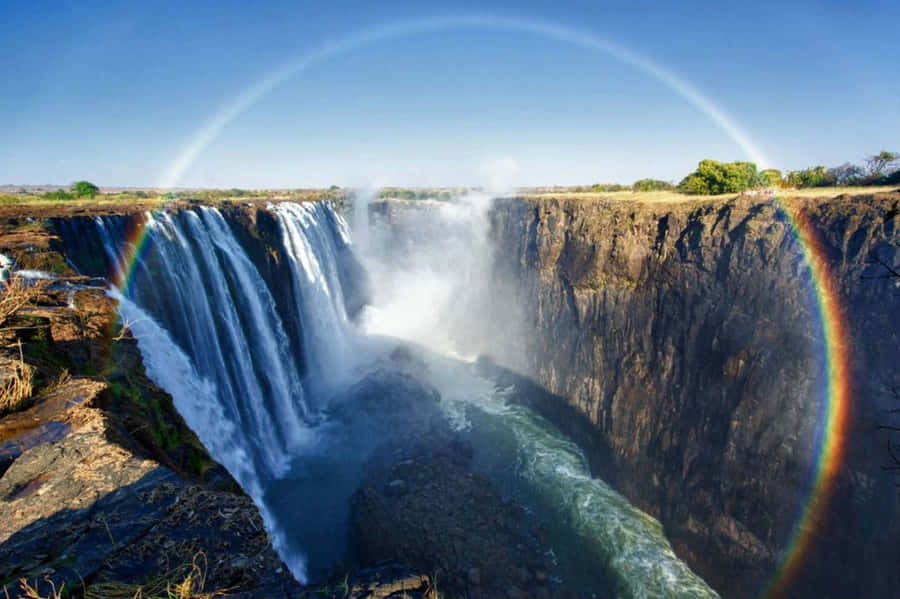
(687, 334)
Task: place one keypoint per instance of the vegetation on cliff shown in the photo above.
(713, 177)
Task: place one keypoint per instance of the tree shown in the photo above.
(713, 177)
(772, 177)
(878, 163)
(84, 189)
(817, 176)
(651, 185)
(848, 174)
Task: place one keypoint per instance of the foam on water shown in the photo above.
(627, 542)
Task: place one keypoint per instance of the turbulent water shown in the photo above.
(213, 335)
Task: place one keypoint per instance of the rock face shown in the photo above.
(687, 334)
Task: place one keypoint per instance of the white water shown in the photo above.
(210, 334)
(625, 541)
(310, 233)
(197, 400)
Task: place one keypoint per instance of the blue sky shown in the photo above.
(116, 92)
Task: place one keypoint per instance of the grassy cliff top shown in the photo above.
(674, 197)
(44, 205)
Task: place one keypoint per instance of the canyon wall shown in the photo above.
(688, 335)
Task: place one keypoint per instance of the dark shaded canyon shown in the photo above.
(688, 335)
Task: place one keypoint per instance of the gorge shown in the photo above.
(524, 395)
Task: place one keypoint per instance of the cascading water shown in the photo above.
(211, 330)
(312, 235)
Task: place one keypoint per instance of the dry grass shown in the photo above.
(32, 592)
(833, 192)
(17, 294)
(192, 579)
(666, 197)
(39, 200)
(14, 395)
(18, 388)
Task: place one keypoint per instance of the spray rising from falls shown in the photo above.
(434, 286)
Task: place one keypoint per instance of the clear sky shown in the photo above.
(117, 92)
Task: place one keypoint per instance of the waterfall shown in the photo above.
(199, 284)
(313, 236)
(220, 335)
(210, 332)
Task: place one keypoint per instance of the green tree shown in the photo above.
(713, 177)
(816, 176)
(772, 177)
(84, 189)
(651, 185)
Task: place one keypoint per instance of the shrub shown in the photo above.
(81, 189)
(58, 195)
(817, 176)
(713, 177)
(601, 187)
(771, 177)
(652, 185)
(16, 391)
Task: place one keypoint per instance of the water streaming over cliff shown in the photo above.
(213, 333)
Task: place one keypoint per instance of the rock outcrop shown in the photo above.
(422, 504)
(688, 335)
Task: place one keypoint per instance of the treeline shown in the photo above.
(713, 177)
(79, 189)
(639, 185)
(405, 193)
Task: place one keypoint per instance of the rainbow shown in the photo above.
(136, 241)
(835, 407)
(834, 410)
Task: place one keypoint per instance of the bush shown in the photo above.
(771, 177)
(601, 187)
(817, 176)
(713, 177)
(81, 189)
(58, 195)
(652, 185)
